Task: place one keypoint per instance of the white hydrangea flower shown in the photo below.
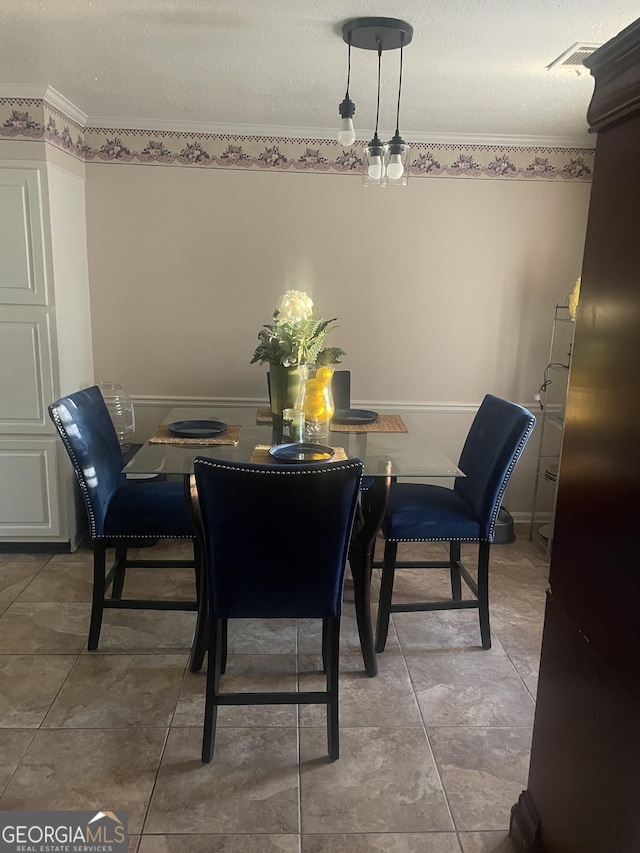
(294, 306)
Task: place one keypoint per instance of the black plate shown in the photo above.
(197, 429)
(301, 452)
(354, 416)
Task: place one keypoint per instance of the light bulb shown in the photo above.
(375, 168)
(346, 135)
(395, 169)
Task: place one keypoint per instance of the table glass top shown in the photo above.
(410, 454)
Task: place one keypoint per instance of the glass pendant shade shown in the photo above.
(396, 162)
(373, 171)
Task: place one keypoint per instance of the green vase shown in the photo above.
(284, 384)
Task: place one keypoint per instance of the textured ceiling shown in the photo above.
(474, 68)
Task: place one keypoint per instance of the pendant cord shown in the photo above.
(348, 68)
(399, 87)
(378, 101)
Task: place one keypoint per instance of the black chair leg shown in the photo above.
(120, 571)
(456, 580)
(213, 688)
(332, 670)
(483, 593)
(325, 645)
(199, 644)
(386, 594)
(223, 646)
(97, 605)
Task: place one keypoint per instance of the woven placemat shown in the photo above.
(264, 416)
(230, 437)
(384, 423)
(261, 456)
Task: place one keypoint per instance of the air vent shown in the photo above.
(573, 58)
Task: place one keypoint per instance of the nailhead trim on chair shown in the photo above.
(81, 479)
(336, 466)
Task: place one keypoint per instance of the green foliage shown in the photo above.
(291, 344)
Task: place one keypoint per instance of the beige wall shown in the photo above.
(444, 290)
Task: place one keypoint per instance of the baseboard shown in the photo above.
(35, 548)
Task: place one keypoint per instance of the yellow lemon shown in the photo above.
(314, 386)
(324, 374)
(314, 408)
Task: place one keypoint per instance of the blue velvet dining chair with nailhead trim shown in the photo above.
(275, 540)
(467, 513)
(121, 514)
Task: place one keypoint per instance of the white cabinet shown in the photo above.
(553, 396)
(45, 345)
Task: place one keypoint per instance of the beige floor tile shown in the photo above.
(116, 691)
(386, 700)
(483, 771)
(250, 786)
(472, 689)
(28, 686)
(262, 636)
(44, 628)
(88, 769)
(168, 584)
(244, 673)
(387, 842)
(147, 631)
(14, 578)
(486, 842)
(310, 633)
(437, 630)
(13, 745)
(82, 556)
(35, 560)
(384, 781)
(220, 844)
(60, 582)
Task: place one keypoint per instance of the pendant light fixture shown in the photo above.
(347, 134)
(382, 164)
(396, 151)
(373, 174)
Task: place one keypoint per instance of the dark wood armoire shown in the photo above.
(583, 791)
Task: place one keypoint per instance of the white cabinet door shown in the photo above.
(26, 377)
(23, 273)
(29, 505)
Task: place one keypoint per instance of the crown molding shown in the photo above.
(47, 94)
(54, 99)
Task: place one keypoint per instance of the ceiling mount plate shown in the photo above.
(377, 33)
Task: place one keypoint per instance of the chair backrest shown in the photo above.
(493, 445)
(276, 536)
(88, 434)
(340, 388)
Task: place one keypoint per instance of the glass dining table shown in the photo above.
(405, 451)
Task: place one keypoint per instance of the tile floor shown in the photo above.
(434, 751)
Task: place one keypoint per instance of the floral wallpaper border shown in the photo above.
(34, 119)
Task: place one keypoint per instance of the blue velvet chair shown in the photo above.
(466, 513)
(288, 561)
(121, 514)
